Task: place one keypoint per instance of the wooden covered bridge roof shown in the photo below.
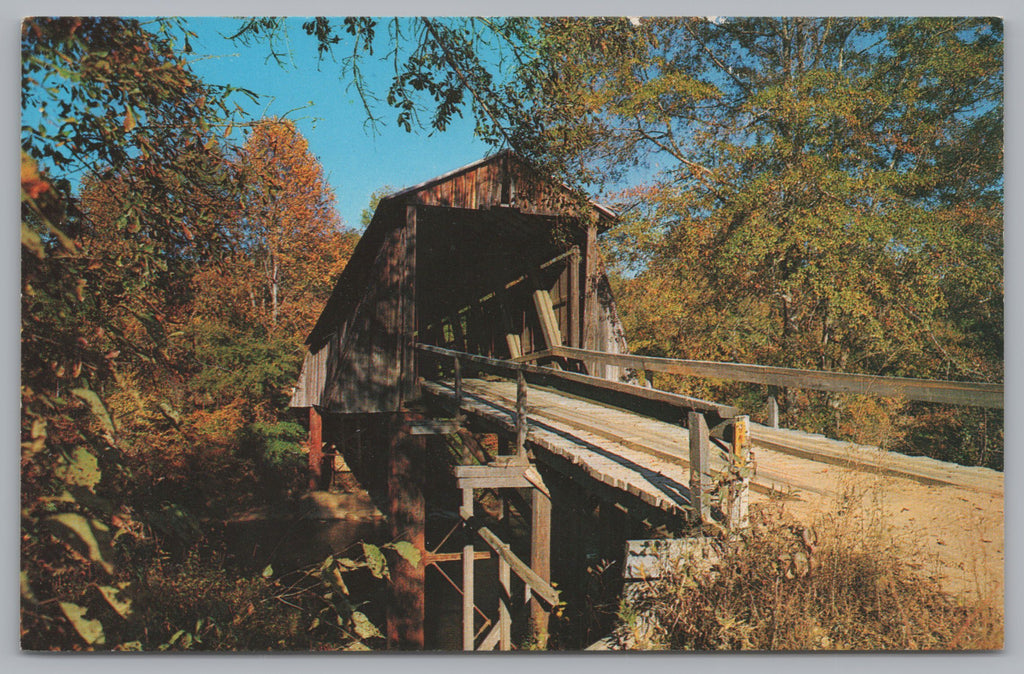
(456, 261)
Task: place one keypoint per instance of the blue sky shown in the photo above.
(330, 115)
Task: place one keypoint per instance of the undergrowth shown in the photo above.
(781, 586)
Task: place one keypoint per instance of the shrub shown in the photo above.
(785, 587)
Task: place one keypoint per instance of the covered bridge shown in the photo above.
(490, 258)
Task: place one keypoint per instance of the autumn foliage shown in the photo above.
(164, 305)
(822, 193)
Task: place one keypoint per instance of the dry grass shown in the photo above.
(845, 584)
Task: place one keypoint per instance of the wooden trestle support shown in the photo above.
(515, 471)
(507, 472)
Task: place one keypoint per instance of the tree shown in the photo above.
(366, 215)
(830, 193)
(290, 227)
(252, 310)
(442, 67)
(111, 97)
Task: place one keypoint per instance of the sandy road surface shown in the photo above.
(952, 532)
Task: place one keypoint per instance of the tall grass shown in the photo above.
(842, 585)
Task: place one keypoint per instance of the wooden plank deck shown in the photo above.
(946, 519)
(649, 458)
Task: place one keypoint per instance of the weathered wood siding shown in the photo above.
(502, 180)
(456, 261)
(366, 374)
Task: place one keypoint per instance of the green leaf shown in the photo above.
(26, 590)
(363, 627)
(97, 407)
(82, 470)
(86, 534)
(375, 560)
(407, 551)
(90, 630)
(115, 597)
(268, 571)
(32, 243)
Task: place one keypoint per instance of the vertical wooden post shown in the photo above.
(458, 386)
(409, 380)
(773, 411)
(504, 614)
(468, 627)
(700, 470)
(521, 428)
(540, 562)
(738, 504)
(575, 338)
(316, 448)
(407, 513)
(591, 306)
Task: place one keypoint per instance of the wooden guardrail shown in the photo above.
(661, 405)
(727, 428)
(977, 394)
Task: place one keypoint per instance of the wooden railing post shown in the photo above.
(738, 497)
(504, 614)
(521, 428)
(700, 468)
(773, 411)
(458, 386)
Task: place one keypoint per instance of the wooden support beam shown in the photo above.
(407, 515)
(509, 476)
(521, 428)
(466, 513)
(409, 378)
(541, 588)
(700, 466)
(472, 448)
(491, 640)
(433, 427)
(444, 557)
(540, 561)
(547, 319)
(316, 449)
(591, 306)
(575, 308)
(458, 386)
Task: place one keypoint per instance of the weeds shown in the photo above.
(782, 586)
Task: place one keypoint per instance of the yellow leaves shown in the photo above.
(83, 534)
(129, 119)
(32, 184)
(31, 242)
(116, 598)
(91, 631)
